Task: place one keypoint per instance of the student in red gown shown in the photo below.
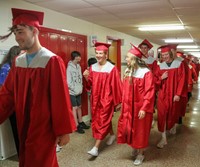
(145, 46)
(36, 90)
(137, 105)
(184, 96)
(104, 80)
(171, 76)
(192, 77)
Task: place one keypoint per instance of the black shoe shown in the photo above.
(180, 120)
(84, 126)
(80, 129)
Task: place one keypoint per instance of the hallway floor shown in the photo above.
(182, 150)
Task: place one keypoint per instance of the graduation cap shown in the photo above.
(145, 42)
(100, 46)
(173, 46)
(180, 54)
(135, 51)
(164, 48)
(27, 17)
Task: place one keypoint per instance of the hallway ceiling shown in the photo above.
(127, 15)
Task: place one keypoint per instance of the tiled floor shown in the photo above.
(182, 150)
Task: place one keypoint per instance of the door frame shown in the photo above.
(119, 41)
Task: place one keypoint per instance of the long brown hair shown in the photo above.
(14, 51)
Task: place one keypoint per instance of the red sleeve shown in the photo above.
(89, 82)
(149, 93)
(116, 86)
(61, 110)
(181, 80)
(194, 75)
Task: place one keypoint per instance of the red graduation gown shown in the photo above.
(192, 77)
(39, 95)
(153, 65)
(168, 110)
(106, 93)
(138, 94)
(184, 98)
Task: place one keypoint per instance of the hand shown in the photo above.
(141, 114)
(164, 75)
(176, 98)
(118, 107)
(62, 140)
(86, 74)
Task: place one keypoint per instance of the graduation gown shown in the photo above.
(39, 95)
(106, 93)
(192, 77)
(184, 98)
(153, 66)
(168, 110)
(138, 94)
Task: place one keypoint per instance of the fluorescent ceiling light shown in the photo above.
(179, 40)
(187, 46)
(191, 50)
(195, 54)
(161, 27)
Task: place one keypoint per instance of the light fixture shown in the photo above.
(179, 40)
(187, 46)
(191, 50)
(196, 54)
(161, 27)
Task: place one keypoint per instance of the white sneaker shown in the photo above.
(173, 130)
(134, 153)
(58, 148)
(162, 143)
(94, 152)
(111, 140)
(139, 159)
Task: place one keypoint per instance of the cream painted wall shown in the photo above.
(64, 22)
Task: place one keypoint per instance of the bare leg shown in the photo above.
(112, 136)
(97, 143)
(94, 150)
(79, 113)
(163, 140)
(140, 157)
(75, 115)
(111, 129)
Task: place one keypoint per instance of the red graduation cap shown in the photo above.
(169, 46)
(101, 46)
(180, 54)
(135, 51)
(27, 17)
(173, 46)
(165, 48)
(145, 42)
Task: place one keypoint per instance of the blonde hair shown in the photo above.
(135, 63)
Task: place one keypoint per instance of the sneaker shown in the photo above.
(134, 153)
(94, 152)
(139, 159)
(180, 121)
(110, 140)
(162, 143)
(84, 126)
(58, 148)
(80, 130)
(173, 130)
